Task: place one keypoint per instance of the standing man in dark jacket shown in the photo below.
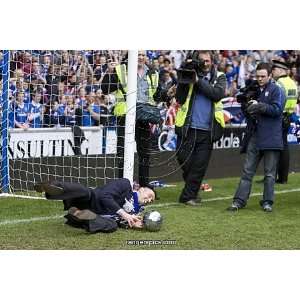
(265, 140)
(147, 82)
(115, 198)
(199, 121)
(290, 89)
(114, 82)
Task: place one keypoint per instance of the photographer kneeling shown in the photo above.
(263, 138)
(199, 121)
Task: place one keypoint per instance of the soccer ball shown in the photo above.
(152, 221)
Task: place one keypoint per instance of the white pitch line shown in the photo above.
(34, 219)
(224, 198)
(5, 195)
(18, 221)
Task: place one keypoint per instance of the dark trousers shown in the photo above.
(193, 154)
(120, 145)
(284, 160)
(143, 146)
(77, 195)
(74, 194)
(142, 138)
(253, 157)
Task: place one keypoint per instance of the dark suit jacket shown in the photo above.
(109, 198)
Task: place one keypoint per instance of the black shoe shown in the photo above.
(82, 215)
(51, 190)
(233, 207)
(39, 187)
(71, 221)
(267, 208)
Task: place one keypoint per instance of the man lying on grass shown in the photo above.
(103, 208)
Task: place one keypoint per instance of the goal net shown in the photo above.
(57, 118)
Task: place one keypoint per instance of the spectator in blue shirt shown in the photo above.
(22, 111)
(81, 100)
(100, 113)
(94, 111)
(70, 111)
(45, 65)
(83, 117)
(100, 67)
(26, 91)
(230, 74)
(36, 111)
(57, 112)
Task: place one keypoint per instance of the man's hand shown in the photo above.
(25, 126)
(256, 109)
(138, 224)
(133, 220)
(30, 117)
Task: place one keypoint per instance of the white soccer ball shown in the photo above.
(152, 221)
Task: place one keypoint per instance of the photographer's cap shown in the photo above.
(279, 64)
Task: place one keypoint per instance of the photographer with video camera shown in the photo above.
(199, 121)
(263, 136)
(245, 96)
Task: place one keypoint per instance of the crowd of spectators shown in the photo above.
(62, 87)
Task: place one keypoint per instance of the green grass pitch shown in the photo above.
(39, 224)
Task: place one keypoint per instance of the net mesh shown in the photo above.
(60, 112)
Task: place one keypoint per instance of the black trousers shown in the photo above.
(74, 194)
(120, 145)
(193, 154)
(284, 160)
(142, 138)
(143, 146)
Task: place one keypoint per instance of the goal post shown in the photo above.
(130, 115)
(4, 124)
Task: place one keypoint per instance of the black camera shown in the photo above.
(190, 69)
(249, 92)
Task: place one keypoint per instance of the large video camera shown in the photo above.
(190, 69)
(248, 93)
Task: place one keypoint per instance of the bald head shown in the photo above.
(145, 195)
